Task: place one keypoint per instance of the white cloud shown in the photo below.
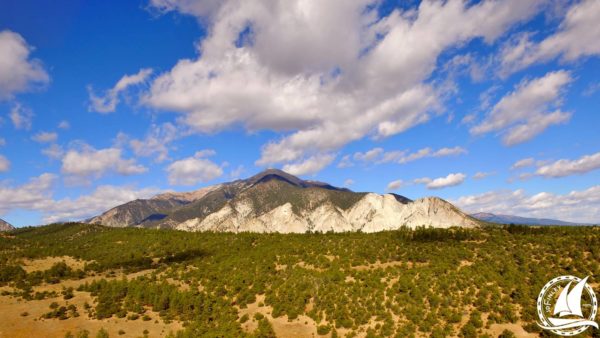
(577, 37)
(108, 103)
(310, 165)
(421, 153)
(91, 163)
(237, 172)
(481, 175)
(64, 124)
(54, 151)
(523, 113)
(566, 167)
(345, 162)
(378, 155)
(576, 206)
(442, 182)
(394, 185)
(157, 142)
(449, 152)
(101, 199)
(591, 89)
(368, 156)
(526, 162)
(31, 195)
(374, 83)
(4, 164)
(21, 116)
(36, 195)
(45, 137)
(18, 72)
(194, 170)
(348, 182)
(205, 153)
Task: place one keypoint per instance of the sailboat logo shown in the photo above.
(573, 311)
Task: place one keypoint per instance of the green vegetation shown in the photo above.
(432, 282)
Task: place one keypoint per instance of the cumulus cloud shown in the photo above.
(37, 195)
(157, 142)
(566, 167)
(524, 113)
(4, 164)
(394, 185)
(576, 206)
(310, 165)
(526, 162)
(577, 37)
(108, 103)
(284, 75)
(194, 170)
(21, 117)
(103, 198)
(31, 195)
(45, 137)
(348, 182)
(89, 163)
(442, 182)
(18, 72)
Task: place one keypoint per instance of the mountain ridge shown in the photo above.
(5, 226)
(508, 219)
(276, 201)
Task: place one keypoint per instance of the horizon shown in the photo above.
(103, 103)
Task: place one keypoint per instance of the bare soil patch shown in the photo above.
(42, 264)
(15, 325)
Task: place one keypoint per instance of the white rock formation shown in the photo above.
(370, 214)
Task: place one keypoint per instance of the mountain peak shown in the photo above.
(280, 175)
(272, 173)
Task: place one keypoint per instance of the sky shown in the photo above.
(492, 105)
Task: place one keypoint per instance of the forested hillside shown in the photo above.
(423, 282)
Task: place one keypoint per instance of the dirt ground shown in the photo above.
(31, 265)
(302, 326)
(16, 325)
(21, 318)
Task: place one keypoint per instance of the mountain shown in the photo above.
(508, 219)
(5, 226)
(142, 211)
(275, 201)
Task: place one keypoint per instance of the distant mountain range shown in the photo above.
(275, 201)
(508, 219)
(5, 226)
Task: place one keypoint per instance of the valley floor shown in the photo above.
(64, 280)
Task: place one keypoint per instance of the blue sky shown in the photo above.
(491, 105)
